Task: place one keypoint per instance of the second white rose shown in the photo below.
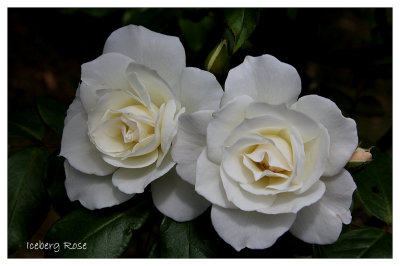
(270, 162)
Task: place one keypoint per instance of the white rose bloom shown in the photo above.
(120, 127)
(269, 163)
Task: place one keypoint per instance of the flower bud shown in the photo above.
(218, 60)
(359, 157)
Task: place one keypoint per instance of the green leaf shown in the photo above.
(27, 198)
(366, 242)
(242, 22)
(101, 233)
(26, 123)
(185, 240)
(52, 113)
(374, 186)
(195, 33)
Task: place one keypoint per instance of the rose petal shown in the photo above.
(135, 180)
(316, 152)
(226, 119)
(208, 182)
(243, 199)
(321, 223)
(176, 198)
(199, 90)
(169, 127)
(108, 137)
(158, 90)
(249, 229)
(138, 87)
(264, 79)
(93, 192)
(79, 151)
(133, 162)
(342, 131)
(292, 202)
(189, 142)
(165, 54)
(109, 100)
(232, 158)
(105, 72)
(307, 127)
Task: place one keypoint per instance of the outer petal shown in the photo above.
(135, 180)
(76, 146)
(342, 131)
(75, 107)
(190, 141)
(249, 229)
(163, 53)
(226, 119)
(291, 202)
(321, 223)
(105, 72)
(208, 182)
(93, 192)
(199, 90)
(176, 198)
(265, 79)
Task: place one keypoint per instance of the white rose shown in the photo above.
(269, 163)
(120, 127)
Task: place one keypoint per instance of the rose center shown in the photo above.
(264, 165)
(270, 162)
(131, 135)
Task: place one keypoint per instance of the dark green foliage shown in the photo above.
(242, 22)
(185, 240)
(374, 186)
(26, 123)
(366, 242)
(52, 113)
(106, 233)
(27, 198)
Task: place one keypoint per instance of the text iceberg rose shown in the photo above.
(269, 162)
(120, 127)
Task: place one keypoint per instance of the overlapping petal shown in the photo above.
(190, 141)
(176, 198)
(264, 79)
(135, 180)
(321, 223)
(208, 182)
(165, 54)
(342, 131)
(105, 72)
(93, 192)
(77, 148)
(249, 229)
(225, 120)
(199, 90)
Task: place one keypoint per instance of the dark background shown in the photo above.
(341, 54)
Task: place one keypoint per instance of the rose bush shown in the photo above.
(267, 161)
(121, 125)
